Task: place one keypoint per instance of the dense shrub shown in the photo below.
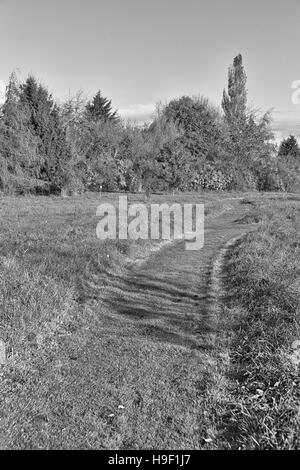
(83, 145)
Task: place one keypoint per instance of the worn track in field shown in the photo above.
(169, 296)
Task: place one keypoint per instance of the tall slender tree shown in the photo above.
(248, 138)
(234, 102)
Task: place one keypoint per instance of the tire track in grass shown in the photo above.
(170, 294)
(218, 392)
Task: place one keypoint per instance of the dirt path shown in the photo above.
(169, 296)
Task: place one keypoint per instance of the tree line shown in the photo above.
(80, 145)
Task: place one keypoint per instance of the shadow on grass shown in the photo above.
(162, 306)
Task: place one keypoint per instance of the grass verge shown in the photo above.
(262, 307)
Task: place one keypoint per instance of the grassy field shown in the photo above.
(50, 317)
(80, 376)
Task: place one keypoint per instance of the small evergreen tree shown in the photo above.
(290, 147)
(100, 109)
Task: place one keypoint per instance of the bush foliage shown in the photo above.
(83, 144)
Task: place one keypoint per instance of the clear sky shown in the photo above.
(139, 52)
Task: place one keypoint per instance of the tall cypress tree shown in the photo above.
(235, 100)
(248, 137)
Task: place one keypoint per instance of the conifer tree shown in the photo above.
(100, 109)
(18, 145)
(44, 121)
(290, 147)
